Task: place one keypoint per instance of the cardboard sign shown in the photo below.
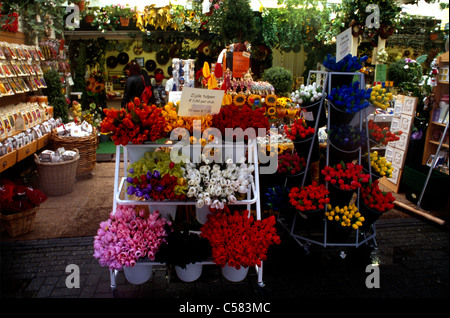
(200, 102)
(344, 42)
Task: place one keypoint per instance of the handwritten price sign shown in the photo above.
(200, 102)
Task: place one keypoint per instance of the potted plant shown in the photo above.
(184, 250)
(238, 241)
(19, 205)
(123, 13)
(128, 237)
(280, 78)
(90, 13)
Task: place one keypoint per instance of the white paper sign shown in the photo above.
(344, 44)
(200, 102)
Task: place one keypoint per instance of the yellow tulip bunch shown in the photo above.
(379, 98)
(174, 121)
(380, 165)
(347, 216)
(75, 110)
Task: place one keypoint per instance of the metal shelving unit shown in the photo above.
(360, 236)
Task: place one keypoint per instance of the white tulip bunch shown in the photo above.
(306, 95)
(215, 185)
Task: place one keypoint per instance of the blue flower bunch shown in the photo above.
(277, 198)
(350, 99)
(349, 63)
(347, 137)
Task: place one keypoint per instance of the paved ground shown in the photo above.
(413, 258)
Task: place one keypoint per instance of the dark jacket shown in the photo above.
(133, 88)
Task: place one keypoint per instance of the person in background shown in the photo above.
(135, 83)
(169, 85)
(159, 92)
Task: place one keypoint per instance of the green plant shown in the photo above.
(237, 25)
(121, 11)
(55, 95)
(280, 78)
(405, 71)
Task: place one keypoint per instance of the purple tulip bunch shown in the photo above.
(128, 236)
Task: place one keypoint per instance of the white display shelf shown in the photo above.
(133, 152)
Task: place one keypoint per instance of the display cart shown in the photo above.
(361, 237)
(133, 152)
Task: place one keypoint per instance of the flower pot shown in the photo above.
(313, 219)
(339, 197)
(89, 19)
(190, 273)
(166, 211)
(81, 5)
(202, 214)
(337, 233)
(311, 114)
(303, 146)
(340, 116)
(124, 21)
(234, 275)
(370, 215)
(138, 274)
(337, 155)
(294, 180)
(339, 80)
(433, 36)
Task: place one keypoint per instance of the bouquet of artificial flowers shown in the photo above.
(350, 99)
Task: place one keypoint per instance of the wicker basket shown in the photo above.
(87, 147)
(57, 178)
(19, 223)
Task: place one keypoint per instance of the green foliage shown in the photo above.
(401, 72)
(55, 96)
(237, 24)
(280, 78)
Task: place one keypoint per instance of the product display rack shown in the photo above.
(133, 152)
(361, 237)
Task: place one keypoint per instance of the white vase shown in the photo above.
(166, 211)
(138, 274)
(202, 214)
(190, 273)
(234, 275)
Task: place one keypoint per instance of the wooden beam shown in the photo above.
(418, 212)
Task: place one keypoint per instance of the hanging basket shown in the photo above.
(138, 274)
(339, 116)
(190, 273)
(234, 275)
(19, 223)
(294, 180)
(87, 147)
(312, 114)
(302, 147)
(57, 178)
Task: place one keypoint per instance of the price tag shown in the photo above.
(200, 102)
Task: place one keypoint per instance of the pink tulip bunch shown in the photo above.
(128, 236)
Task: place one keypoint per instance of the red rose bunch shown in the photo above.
(382, 135)
(137, 123)
(298, 130)
(309, 198)
(232, 116)
(290, 163)
(347, 176)
(376, 199)
(237, 239)
(16, 197)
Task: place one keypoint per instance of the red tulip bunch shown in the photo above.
(382, 135)
(239, 240)
(309, 198)
(244, 117)
(375, 198)
(290, 163)
(16, 197)
(298, 130)
(136, 124)
(347, 176)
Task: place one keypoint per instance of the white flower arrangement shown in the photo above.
(215, 184)
(306, 95)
